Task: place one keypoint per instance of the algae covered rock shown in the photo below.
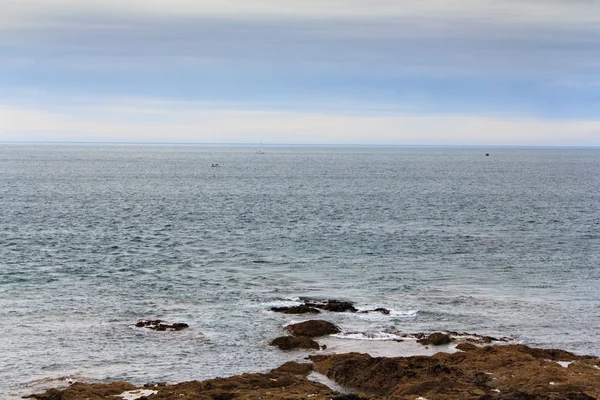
(295, 342)
(313, 328)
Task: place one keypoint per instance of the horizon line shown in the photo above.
(280, 144)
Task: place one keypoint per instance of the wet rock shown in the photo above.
(52, 394)
(465, 346)
(382, 310)
(81, 391)
(294, 368)
(435, 339)
(302, 309)
(332, 305)
(295, 342)
(551, 354)
(160, 325)
(313, 328)
(348, 397)
(286, 382)
(508, 372)
(154, 384)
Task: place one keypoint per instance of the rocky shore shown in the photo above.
(478, 368)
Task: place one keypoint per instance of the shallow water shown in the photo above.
(94, 238)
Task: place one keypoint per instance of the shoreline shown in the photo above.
(330, 363)
(482, 372)
(441, 366)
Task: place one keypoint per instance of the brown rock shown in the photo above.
(295, 342)
(509, 372)
(435, 339)
(286, 382)
(466, 346)
(313, 328)
(52, 394)
(294, 368)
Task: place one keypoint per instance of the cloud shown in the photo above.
(534, 11)
(475, 38)
(159, 121)
(508, 63)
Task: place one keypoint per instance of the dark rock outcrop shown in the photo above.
(484, 373)
(286, 382)
(295, 342)
(435, 339)
(508, 372)
(332, 305)
(312, 328)
(81, 391)
(160, 325)
(466, 346)
(301, 309)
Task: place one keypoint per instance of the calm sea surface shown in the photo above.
(94, 238)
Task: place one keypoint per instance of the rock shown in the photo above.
(294, 368)
(302, 309)
(52, 394)
(348, 397)
(81, 391)
(435, 339)
(295, 342)
(508, 372)
(286, 382)
(382, 310)
(160, 325)
(466, 346)
(313, 328)
(332, 305)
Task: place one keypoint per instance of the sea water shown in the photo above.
(94, 238)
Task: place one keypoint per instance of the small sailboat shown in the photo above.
(260, 151)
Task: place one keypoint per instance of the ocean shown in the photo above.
(94, 238)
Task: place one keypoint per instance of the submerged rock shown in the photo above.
(302, 309)
(313, 328)
(332, 305)
(160, 325)
(435, 339)
(295, 342)
(382, 310)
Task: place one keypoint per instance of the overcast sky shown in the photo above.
(476, 72)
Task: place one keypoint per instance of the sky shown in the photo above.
(389, 72)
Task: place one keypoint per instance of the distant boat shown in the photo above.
(261, 149)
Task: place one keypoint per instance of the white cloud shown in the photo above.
(157, 121)
(16, 12)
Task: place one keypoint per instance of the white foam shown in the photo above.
(381, 348)
(281, 303)
(331, 384)
(371, 314)
(368, 336)
(136, 394)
